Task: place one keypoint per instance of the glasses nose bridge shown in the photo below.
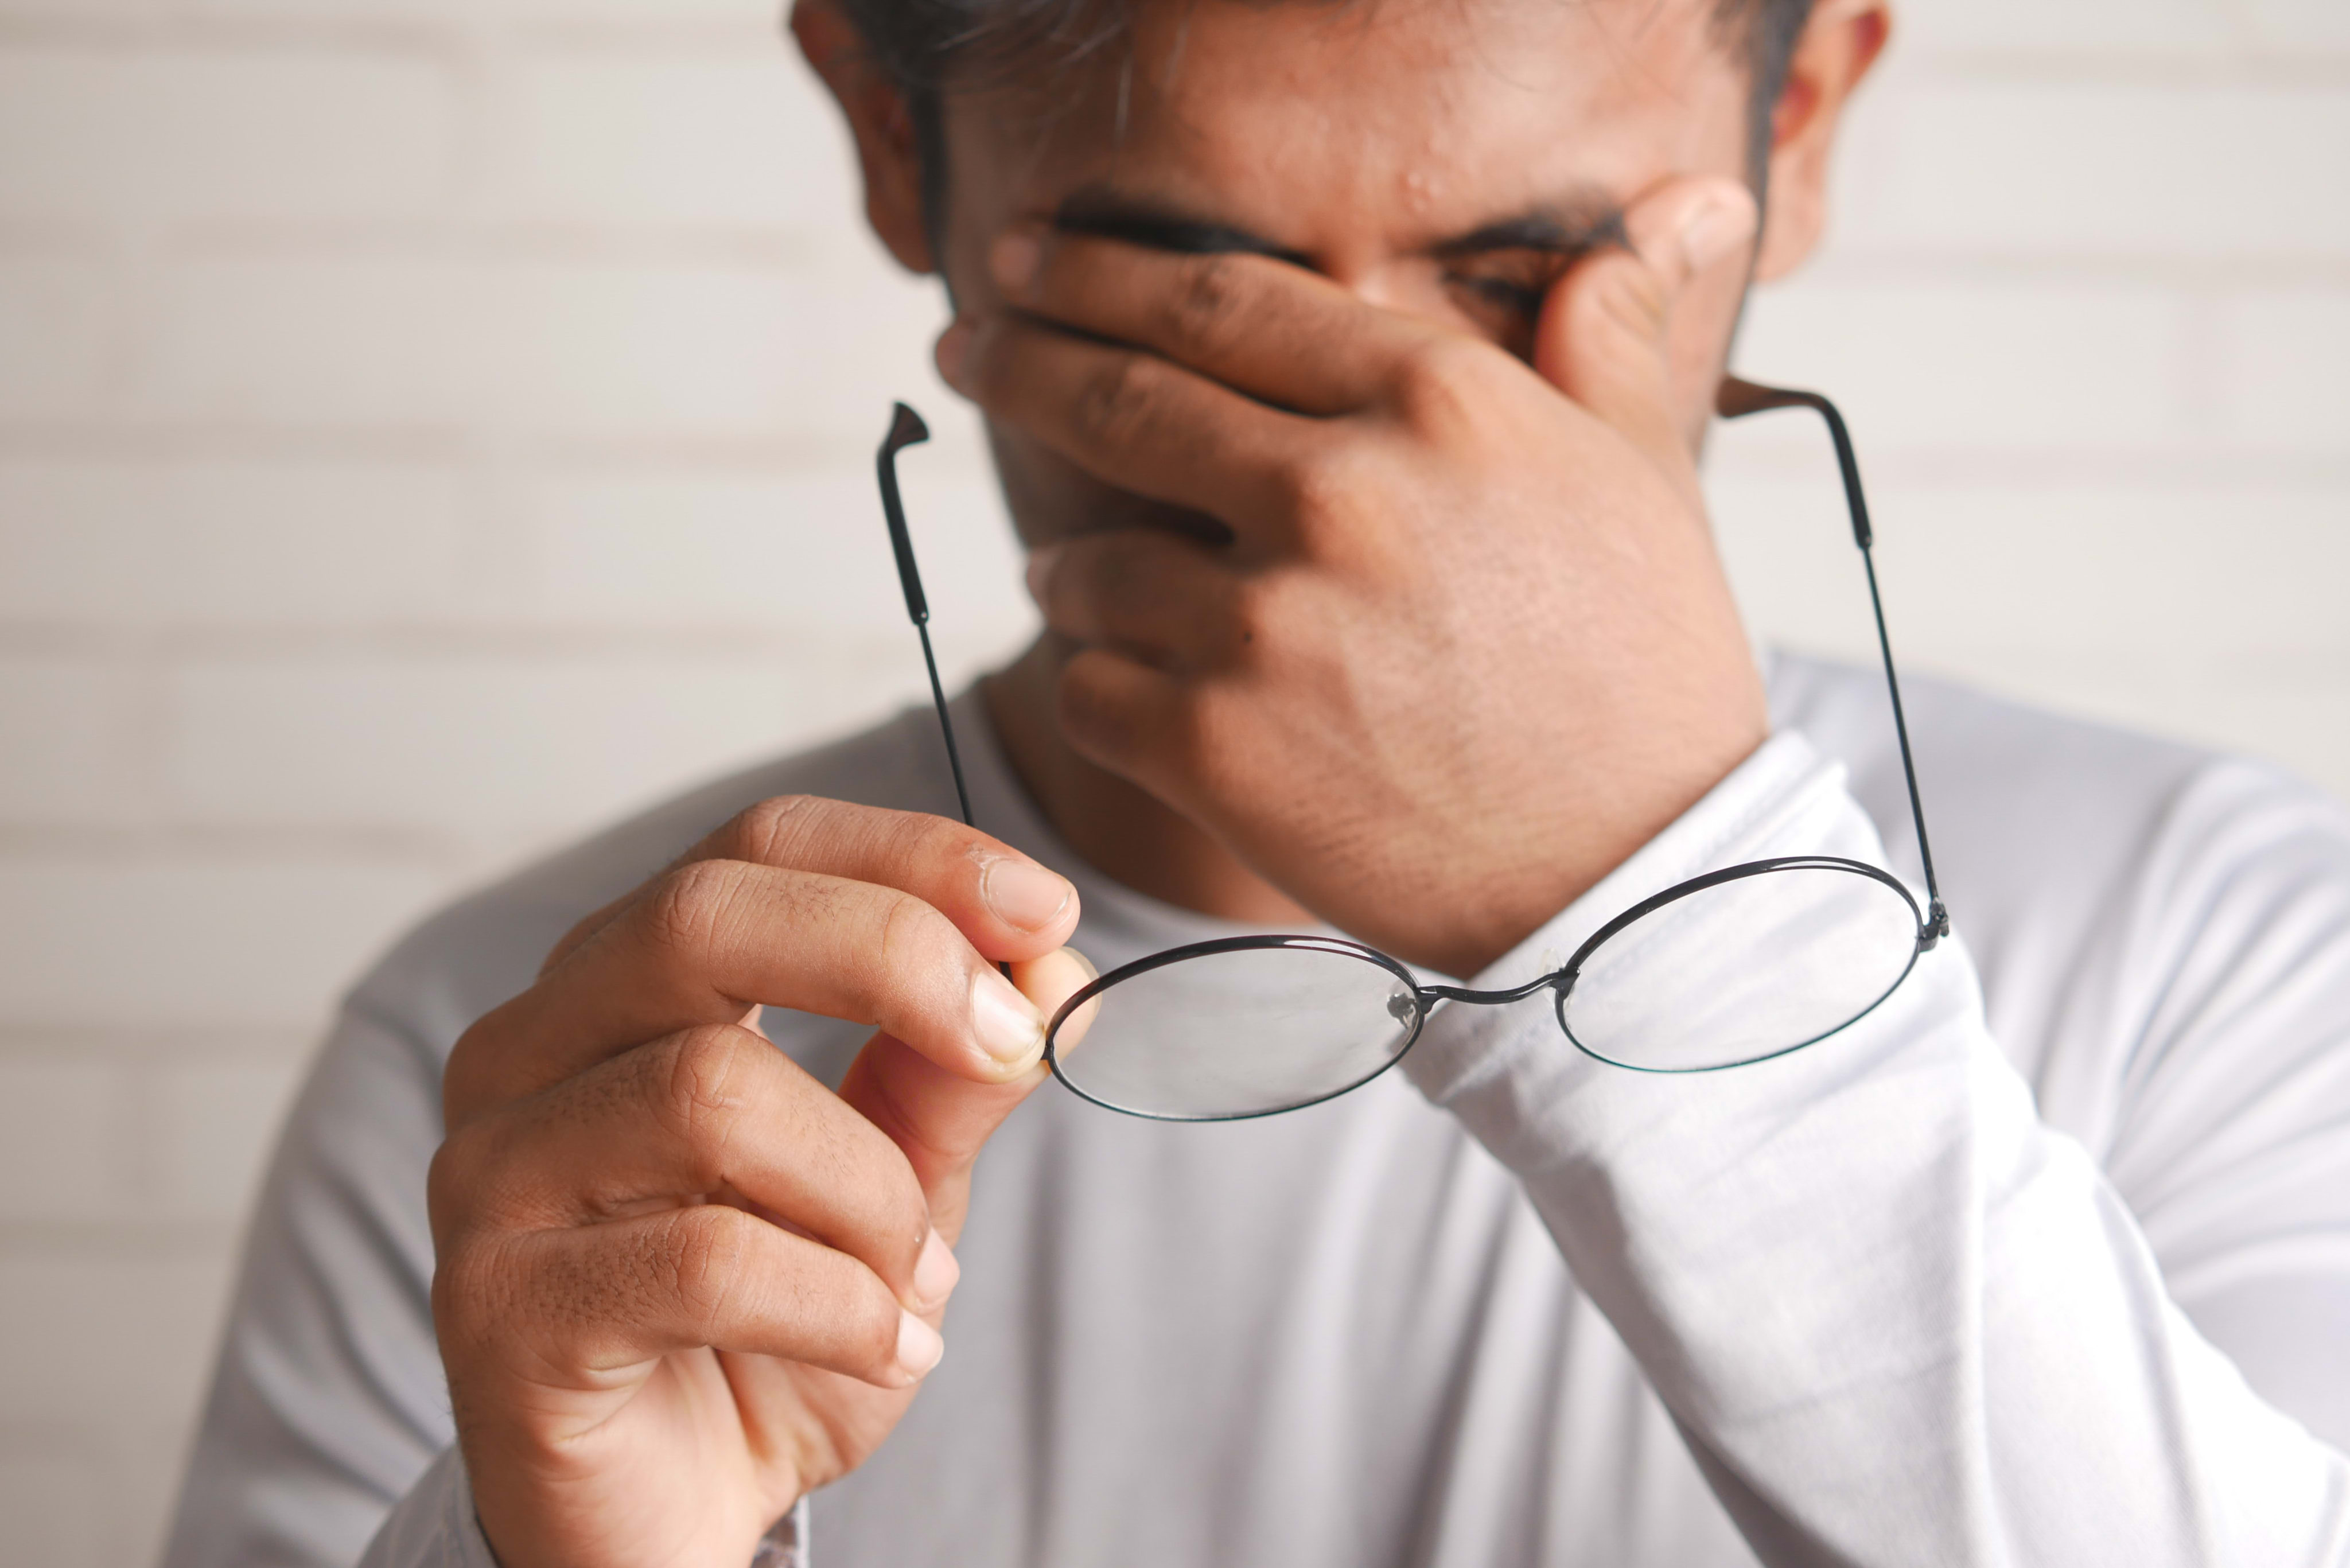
(1492, 997)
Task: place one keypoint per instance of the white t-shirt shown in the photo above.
(2047, 1260)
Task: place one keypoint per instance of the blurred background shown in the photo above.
(431, 427)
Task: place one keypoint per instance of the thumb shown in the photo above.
(1604, 335)
(939, 1118)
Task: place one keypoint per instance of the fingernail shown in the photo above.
(1023, 893)
(1716, 229)
(1014, 261)
(919, 1346)
(953, 348)
(936, 1270)
(1007, 1027)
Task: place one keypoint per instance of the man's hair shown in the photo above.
(921, 44)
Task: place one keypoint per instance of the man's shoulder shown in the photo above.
(2050, 830)
(2096, 874)
(484, 947)
(2016, 791)
(1984, 741)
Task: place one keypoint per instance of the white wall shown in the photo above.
(2087, 305)
(429, 425)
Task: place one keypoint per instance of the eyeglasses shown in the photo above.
(1254, 1025)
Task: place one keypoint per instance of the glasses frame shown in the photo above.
(1736, 400)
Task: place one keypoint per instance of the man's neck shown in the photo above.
(1122, 831)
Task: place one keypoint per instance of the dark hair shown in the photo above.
(922, 43)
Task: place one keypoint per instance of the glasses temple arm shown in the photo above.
(1738, 398)
(907, 429)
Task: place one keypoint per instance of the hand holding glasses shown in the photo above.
(1249, 1026)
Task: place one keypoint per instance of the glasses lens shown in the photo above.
(1238, 1033)
(1743, 969)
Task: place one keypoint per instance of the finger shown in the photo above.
(1166, 601)
(1277, 332)
(1073, 1029)
(707, 940)
(1141, 723)
(586, 926)
(939, 1121)
(1008, 904)
(1132, 419)
(1604, 338)
(709, 1113)
(597, 1300)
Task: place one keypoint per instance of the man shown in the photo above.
(1346, 367)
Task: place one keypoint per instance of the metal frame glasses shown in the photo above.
(1255, 1025)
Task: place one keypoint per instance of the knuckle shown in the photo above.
(911, 934)
(484, 1180)
(1326, 493)
(1439, 382)
(476, 1280)
(706, 1090)
(769, 831)
(467, 1077)
(494, 1061)
(1114, 406)
(689, 906)
(453, 1180)
(1200, 313)
(702, 1257)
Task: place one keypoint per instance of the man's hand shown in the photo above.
(1469, 644)
(680, 1281)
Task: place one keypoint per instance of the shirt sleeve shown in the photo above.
(1897, 1317)
(434, 1526)
(329, 1403)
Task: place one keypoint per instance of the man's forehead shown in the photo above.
(1426, 118)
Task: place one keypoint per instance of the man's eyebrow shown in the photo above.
(1162, 227)
(1567, 231)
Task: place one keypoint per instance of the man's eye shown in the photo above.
(1523, 300)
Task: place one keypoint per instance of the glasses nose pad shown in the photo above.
(1403, 1006)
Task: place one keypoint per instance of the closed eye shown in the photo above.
(1520, 300)
(1505, 303)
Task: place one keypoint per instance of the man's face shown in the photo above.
(1445, 158)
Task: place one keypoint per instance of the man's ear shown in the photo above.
(880, 121)
(1838, 45)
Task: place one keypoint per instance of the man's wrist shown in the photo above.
(1784, 799)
